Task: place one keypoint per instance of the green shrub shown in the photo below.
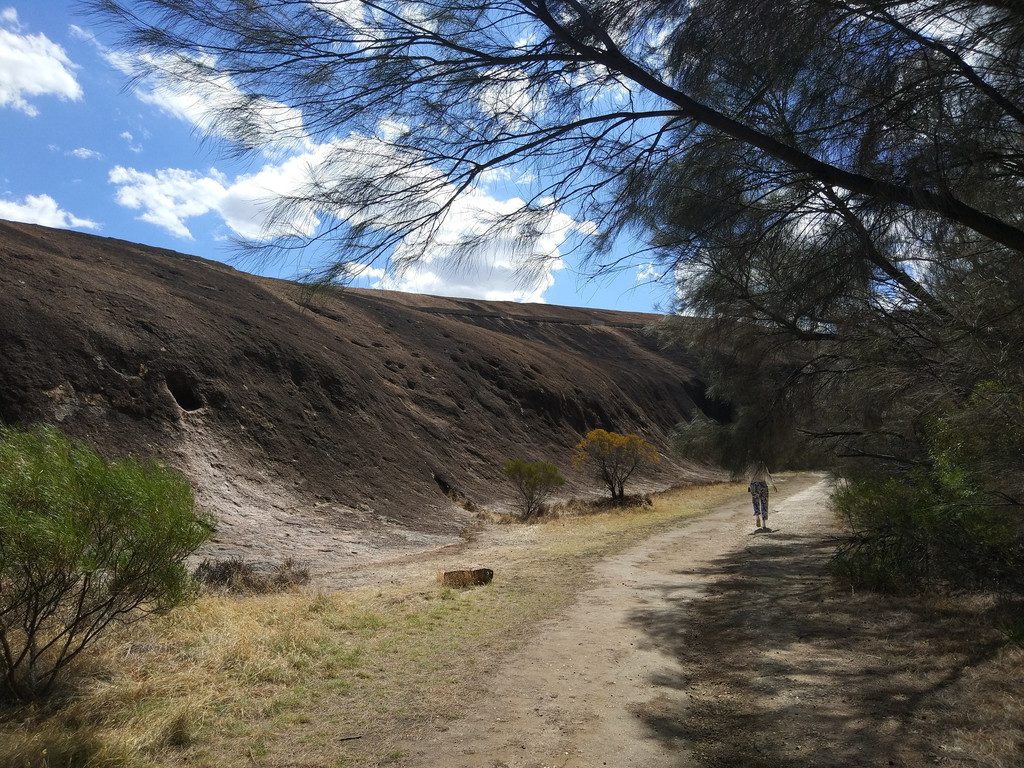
(884, 549)
(977, 447)
(535, 482)
(911, 532)
(86, 543)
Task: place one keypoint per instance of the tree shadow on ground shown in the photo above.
(781, 668)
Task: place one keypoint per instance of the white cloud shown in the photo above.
(389, 130)
(249, 202)
(30, 66)
(351, 14)
(168, 197)
(42, 209)
(483, 246)
(130, 140)
(510, 97)
(366, 273)
(194, 91)
(489, 249)
(648, 273)
(86, 154)
(486, 275)
(496, 175)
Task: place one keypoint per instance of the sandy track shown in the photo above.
(606, 683)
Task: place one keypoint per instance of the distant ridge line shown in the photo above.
(529, 318)
(372, 296)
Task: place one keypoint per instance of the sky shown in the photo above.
(82, 150)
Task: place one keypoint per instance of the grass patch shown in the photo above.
(314, 678)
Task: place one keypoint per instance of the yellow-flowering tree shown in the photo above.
(614, 457)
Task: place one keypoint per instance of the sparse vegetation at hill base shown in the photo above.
(337, 679)
(232, 679)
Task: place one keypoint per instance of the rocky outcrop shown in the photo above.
(352, 410)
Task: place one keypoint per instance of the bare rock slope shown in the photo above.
(351, 424)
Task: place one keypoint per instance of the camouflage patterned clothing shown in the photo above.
(759, 492)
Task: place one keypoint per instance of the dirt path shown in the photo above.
(615, 682)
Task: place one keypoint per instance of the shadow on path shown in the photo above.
(780, 669)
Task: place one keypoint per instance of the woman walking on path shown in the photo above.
(760, 479)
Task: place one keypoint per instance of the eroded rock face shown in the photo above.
(354, 410)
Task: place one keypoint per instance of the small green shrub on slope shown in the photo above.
(534, 482)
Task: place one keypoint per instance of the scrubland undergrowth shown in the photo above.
(316, 678)
(335, 679)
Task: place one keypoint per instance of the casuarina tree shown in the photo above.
(901, 121)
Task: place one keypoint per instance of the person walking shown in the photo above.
(760, 479)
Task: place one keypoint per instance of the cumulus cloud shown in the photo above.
(168, 197)
(485, 274)
(171, 196)
(83, 153)
(43, 209)
(479, 249)
(487, 248)
(32, 66)
(193, 90)
(480, 245)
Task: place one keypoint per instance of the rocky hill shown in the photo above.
(345, 425)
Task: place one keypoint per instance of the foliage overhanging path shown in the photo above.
(602, 99)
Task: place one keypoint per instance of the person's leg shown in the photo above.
(762, 505)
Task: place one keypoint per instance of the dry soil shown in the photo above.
(720, 645)
(605, 683)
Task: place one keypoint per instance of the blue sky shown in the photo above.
(81, 151)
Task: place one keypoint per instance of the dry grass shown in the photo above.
(311, 678)
(968, 679)
(238, 577)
